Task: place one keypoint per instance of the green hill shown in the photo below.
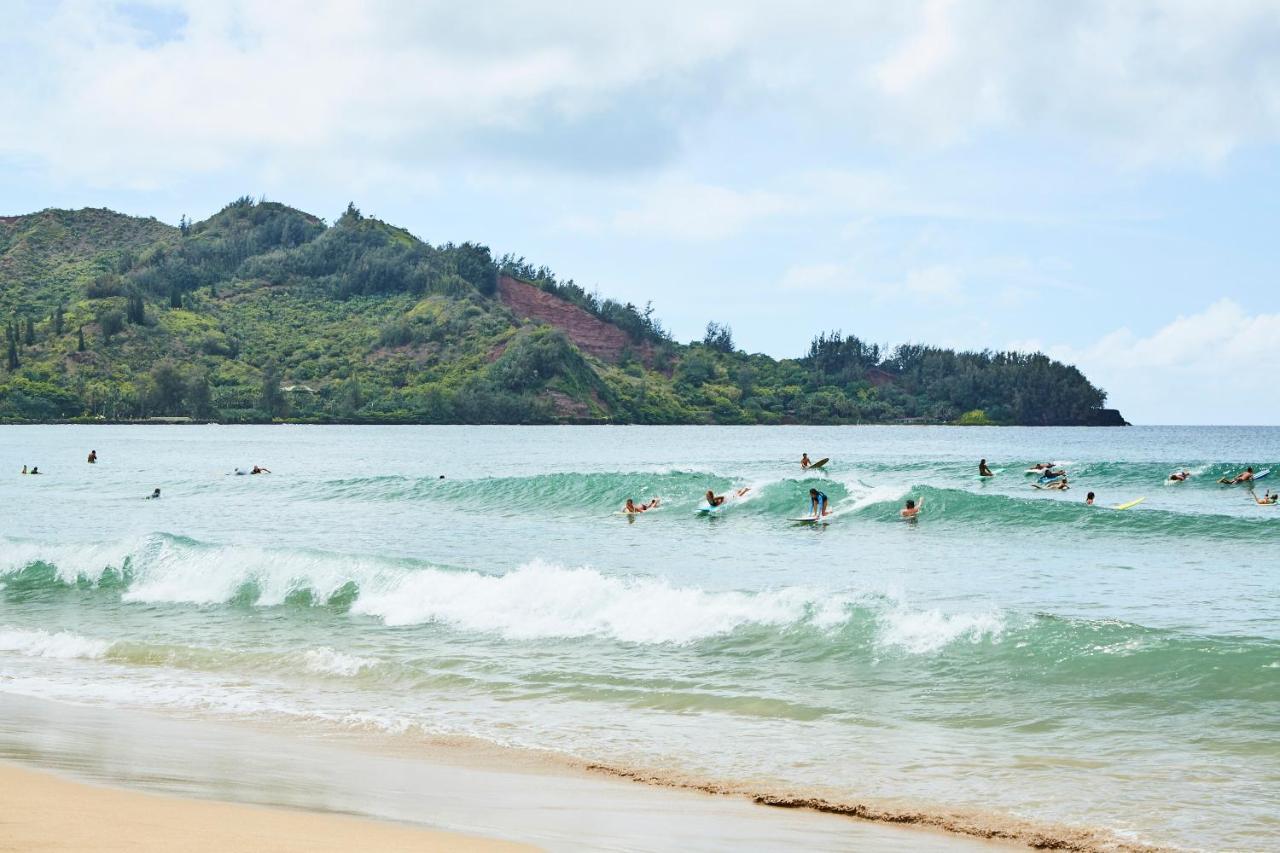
(264, 312)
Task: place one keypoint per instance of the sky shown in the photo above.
(1096, 180)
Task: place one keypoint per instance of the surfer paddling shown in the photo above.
(633, 509)
(1268, 499)
(1179, 476)
(1245, 476)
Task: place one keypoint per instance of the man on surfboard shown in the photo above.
(1179, 476)
(1244, 476)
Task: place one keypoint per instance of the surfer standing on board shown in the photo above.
(818, 503)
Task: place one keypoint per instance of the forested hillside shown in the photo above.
(263, 312)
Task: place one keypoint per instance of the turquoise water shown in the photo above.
(1012, 658)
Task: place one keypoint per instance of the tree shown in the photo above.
(184, 225)
(272, 401)
(14, 364)
(718, 337)
(167, 387)
(175, 297)
(111, 322)
(199, 395)
(58, 314)
(30, 337)
(351, 398)
(80, 339)
(136, 309)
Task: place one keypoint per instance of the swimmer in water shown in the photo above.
(912, 509)
(632, 509)
(1088, 499)
(259, 470)
(93, 457)
(804, 460)
(154, 496)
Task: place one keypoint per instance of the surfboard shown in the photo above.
(1261, 474)
(816, 465)
(708, 510)
(1130, 503)
(1256, 477)
(809, 519)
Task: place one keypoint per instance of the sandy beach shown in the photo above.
(37, 806)
(138, 781)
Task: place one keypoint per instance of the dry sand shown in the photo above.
(43, 812)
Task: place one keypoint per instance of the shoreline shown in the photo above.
(114, 818)
(411, 799)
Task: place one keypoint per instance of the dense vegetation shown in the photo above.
(264, 312)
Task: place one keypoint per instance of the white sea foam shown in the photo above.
(540, 600)
(923, 631)
(42, 644)
(327, 661)
(71, 562)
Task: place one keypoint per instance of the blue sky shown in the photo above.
(1097, 180)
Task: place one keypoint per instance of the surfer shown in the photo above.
(1088, 499)
(804, 460)
(35, 469)
(93, 457)
(1059, 485)
(1179, 476)
(1244, 476)
(259, 470)
(1268, 498)
(983, 470)
(24, 469)
(632, 509)
(912, 509)
(153, 496)
(716, 500)
(818, 503)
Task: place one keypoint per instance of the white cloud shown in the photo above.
(1217, 366)
(96, 95)
(688, 211)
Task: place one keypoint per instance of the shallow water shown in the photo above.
(1013, 655)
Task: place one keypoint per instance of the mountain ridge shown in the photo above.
(265, 312)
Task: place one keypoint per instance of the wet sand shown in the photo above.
(267, 790)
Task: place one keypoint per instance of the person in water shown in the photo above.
(1179, 476)
(716, 500)
(1088, 499)
(912, 509)
(983, 470)
(804, 460)
(93, 457)
(1268, 498)
(1058, 485)
(35, 469)
(24, 469)
(818, 503)
(1245, 476)
(259, 470)
(635, 510)
(153, 496)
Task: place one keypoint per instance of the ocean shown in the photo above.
(1012, 661)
